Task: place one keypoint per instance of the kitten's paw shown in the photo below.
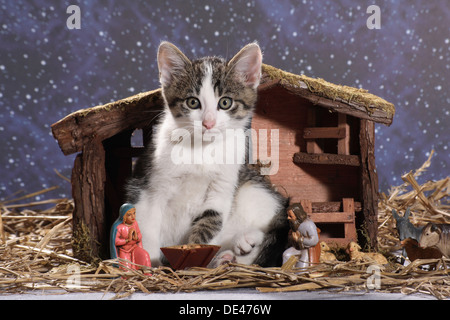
(224, 257)
(245, 244)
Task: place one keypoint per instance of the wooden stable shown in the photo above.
(326, 150)
(326, 154)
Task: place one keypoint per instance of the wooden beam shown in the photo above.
(327, 158)
(332, 206)
(90, 234)
(369, 180)
(324, 133)
(334, 217)
(103, 122)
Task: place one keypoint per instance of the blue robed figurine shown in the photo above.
(302, 235)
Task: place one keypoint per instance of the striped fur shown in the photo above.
(226, 204)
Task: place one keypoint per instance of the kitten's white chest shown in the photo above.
(188, 194)
(188, 191)
(185, 197)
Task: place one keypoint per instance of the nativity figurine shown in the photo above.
(126, 239)
(302, 236)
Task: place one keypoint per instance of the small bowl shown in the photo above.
(189, 255)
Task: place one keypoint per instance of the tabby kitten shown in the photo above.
(186, 189)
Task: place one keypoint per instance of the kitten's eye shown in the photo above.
(193, 103)
(225, 103)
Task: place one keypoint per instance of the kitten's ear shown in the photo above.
(170, 62)
(247, 64)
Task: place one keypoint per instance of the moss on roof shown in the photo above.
(318, 87)
(331, 91)
(154, 96)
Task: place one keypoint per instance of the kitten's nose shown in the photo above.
(209, 124)
(209, 121)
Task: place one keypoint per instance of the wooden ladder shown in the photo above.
(345, 218)
(341, 133)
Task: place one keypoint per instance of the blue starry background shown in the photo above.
(48, 70)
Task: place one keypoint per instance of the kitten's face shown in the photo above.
(210, 91)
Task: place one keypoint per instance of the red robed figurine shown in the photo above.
(126, 239)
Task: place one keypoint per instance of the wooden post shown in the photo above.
(312, 146)
(348, 206)
(369, 180)
(90, 235)
(344, 143)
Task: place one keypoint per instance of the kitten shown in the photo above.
(185, 189)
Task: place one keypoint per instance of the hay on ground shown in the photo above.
(36, 254)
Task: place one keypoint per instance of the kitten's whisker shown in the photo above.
(161, 113)
(186, 132)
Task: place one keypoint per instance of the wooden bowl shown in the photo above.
(189, 255)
